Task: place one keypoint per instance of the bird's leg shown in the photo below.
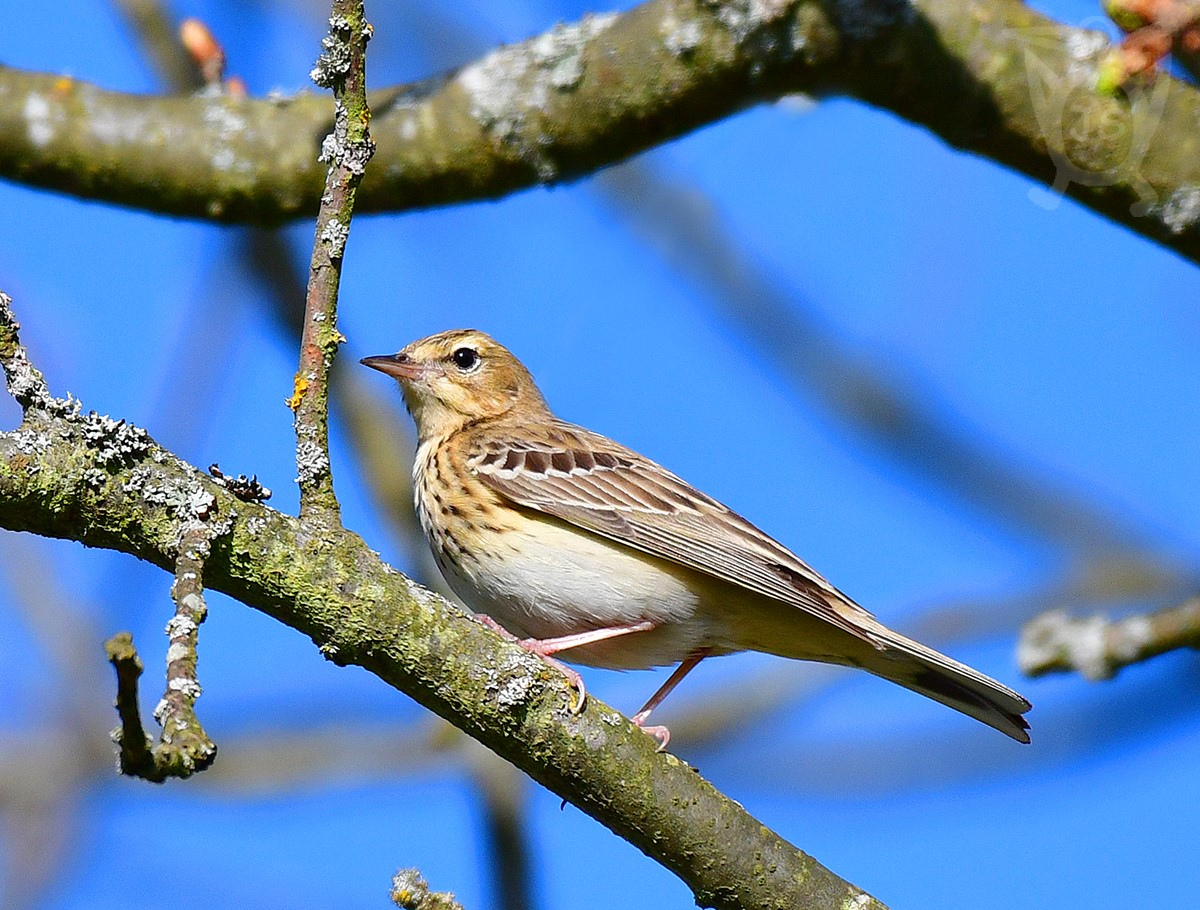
(660, 733)
(545, 648)
(548, 646)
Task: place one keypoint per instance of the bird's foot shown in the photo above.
(659, 733)
(544, 650)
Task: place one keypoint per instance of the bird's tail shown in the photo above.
(914, 666)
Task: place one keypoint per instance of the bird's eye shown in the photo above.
(466, 359)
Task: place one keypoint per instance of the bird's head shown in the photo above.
(456, 377)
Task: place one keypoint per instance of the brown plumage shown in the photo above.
(583, 547)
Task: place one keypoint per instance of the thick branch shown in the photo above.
(988, 76)
(58, 478)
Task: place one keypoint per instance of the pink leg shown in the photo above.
(662, 734)
(545, 648)
(548, 646)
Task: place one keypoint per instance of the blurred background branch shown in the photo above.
(1097, 647)
(619, 84)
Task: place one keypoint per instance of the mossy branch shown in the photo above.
(991, 77)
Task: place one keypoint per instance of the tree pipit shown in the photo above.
(579, 546)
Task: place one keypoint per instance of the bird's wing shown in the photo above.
(590, 481)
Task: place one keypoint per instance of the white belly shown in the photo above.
(548, 580)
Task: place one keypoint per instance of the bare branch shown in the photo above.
(25, 382)
(342, 67)
(183, 748)
(135, 755)
(159, 38)
(1098, 648)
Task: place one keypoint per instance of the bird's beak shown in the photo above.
(397, 365)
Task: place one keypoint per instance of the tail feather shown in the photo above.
(921, 669)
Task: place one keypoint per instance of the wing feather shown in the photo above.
(590, 481)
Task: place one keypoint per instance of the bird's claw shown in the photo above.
(536, 646)
(574, 680)
(660, 733)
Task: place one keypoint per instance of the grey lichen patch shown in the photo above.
(1181, 210)
(43, 119)
(1085, 49)
(336, 147)
(334, 236)
(559, 52)
(311, 461)
(410, 891)
(183, 497)
(95, 478)
(138, 478)
(181, 624)
(116, 443)
(513, 691)
(334, 61)
(498, 96)
(31, 440)
(185, 686)
(67, 408)
(743, 18)
(226, 128)
(1058, 639)
(764, 30)
(25, 382)
(680, 37)
(512, 83)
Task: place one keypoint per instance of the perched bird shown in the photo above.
(577, 545)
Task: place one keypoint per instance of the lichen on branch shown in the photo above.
(347, 149)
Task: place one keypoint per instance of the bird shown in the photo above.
(574, 545)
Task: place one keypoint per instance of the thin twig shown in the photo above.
(135, 752)
(342, 67)
(381, 444)
(183, 748)
(156, 32)
(1098, 648)
(25, 382)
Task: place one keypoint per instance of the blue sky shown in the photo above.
(1063, 342)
